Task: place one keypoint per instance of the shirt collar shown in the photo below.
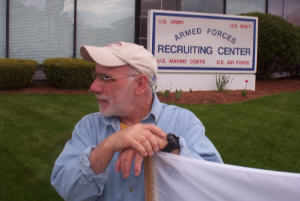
(156, 109)
(112, 121)
(155, 112)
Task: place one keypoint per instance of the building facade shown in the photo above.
(57, 28)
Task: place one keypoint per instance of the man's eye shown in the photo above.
(106, 77)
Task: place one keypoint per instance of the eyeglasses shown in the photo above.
(105, 78)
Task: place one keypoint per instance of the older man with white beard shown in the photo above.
(104, 158)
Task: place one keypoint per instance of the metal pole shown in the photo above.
(75, 29)
(7, 30)
(283, 3)
(137, 33)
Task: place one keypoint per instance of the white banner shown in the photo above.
(186, 41)
(178, 178)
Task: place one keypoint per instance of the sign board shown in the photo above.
(189, 42)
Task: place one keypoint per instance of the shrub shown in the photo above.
(167, 93)
(222, 82)
(277, 45)
(69, 73)
(178, 94)
(16, 73)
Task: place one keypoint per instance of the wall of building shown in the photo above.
(57, 28)
(288, 9)
(207, 81)
(45, 28)
(212, 6)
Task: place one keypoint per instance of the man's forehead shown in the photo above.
(113, 69)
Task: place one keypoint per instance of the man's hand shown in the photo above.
(126, 157)
(144, 138)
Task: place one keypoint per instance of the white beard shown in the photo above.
(119, 104)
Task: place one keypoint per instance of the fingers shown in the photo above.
(124, 162)
(138, 164)
(150, 143)
(144, 144)
(118, 164)
(157, 138)
(153, 141)
(162, 143)
(138, 144)
(144, 138)
(156, 130)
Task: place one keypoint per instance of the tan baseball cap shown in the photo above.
(120, 54)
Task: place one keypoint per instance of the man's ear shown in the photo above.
(141, 84)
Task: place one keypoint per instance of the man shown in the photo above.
(104, 158)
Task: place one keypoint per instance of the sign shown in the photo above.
(188, 41)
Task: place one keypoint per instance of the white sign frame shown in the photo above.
(154, 26)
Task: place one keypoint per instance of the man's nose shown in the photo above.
(97, 86)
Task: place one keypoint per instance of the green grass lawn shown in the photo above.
(262, 133)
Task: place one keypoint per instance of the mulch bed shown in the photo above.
(196, 97)
(262, 88)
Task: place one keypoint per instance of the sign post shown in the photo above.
(193, 48)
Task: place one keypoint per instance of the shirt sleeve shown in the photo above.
(72, 176)
(193, 141)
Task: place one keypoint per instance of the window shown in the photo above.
(245, 6)
(41, 29)
(211, 6)
(275, 7)
(292, 11)
(100, 22)
(2, 28)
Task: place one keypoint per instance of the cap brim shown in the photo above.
(100, 55)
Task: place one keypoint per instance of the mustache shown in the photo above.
(101, 97)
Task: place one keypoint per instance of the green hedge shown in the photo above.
(16, 73)
(69, 73)
(277, 45)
